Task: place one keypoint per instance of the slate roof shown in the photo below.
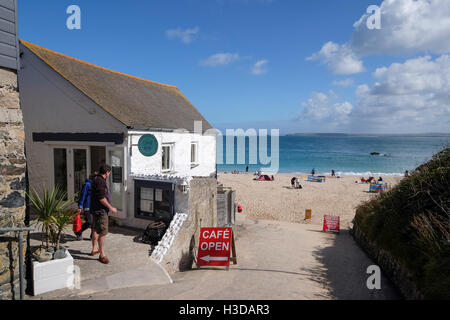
(136, 102)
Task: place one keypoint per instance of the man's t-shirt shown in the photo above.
(99, 190)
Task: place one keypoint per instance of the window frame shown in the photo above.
(196, 162)
(171, 148)
(138, 184)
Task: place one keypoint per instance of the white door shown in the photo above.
(71, 168)
(117, 180)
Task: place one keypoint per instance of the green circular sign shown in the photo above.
(148, 145)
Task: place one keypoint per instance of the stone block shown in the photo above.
(9, 99)
(13, 200)
(11, 115)
(17, 184)
(8, 79)
(16, 133)
(10, 170)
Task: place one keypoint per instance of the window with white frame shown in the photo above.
(194, 154)
(167, 152)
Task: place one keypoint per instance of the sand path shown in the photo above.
(276, 260)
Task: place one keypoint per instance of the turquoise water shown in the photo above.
(347, 155)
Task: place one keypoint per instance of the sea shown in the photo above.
(348, 155)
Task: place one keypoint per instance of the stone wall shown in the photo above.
(12, 181)
(396, 272)
(202, 213)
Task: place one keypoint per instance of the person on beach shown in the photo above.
(297, 184)
(246, 169)
(380, 179)
(406, 174)
(333, 174)
(84, 205)
(293, 182)
(273, 178)
(100, 208)
(313, 171)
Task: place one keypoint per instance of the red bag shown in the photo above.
(77, 223)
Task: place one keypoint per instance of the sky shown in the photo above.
(292, 65)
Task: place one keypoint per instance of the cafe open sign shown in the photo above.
(331, 223)
(215, 246)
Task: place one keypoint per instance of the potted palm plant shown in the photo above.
(61, 220)
(47, 207)
(55, 213)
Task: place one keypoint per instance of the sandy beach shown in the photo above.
(276, 200)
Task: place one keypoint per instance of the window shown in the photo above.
(154, 200)
(60, 168)
(166, 158)
(194, 154)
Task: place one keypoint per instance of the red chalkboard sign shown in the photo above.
(331, 224)
(215, 246)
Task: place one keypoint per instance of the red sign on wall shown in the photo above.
(331, 224)
(214, 247)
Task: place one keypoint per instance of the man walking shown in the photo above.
(100, 208)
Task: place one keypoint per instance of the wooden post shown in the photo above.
(233, 250)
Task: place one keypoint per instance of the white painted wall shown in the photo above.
(141, 165)
(51, 104)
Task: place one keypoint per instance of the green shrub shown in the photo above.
(412, 222)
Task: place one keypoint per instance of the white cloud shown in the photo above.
(344, 83)
(260, 67)
(407, 26)
(186, 36)
(322, 108)
(220, 59)
(409, 96)
(413, 96)
(343, 108)
(339, 58)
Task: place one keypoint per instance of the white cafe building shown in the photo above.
(78, 116)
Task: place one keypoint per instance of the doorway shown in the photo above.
(70, 169)
(73, 165)
(98, 157)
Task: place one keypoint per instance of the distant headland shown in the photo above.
(432, 134)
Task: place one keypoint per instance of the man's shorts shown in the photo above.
(101, 224)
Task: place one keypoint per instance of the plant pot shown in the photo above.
(53, 275)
